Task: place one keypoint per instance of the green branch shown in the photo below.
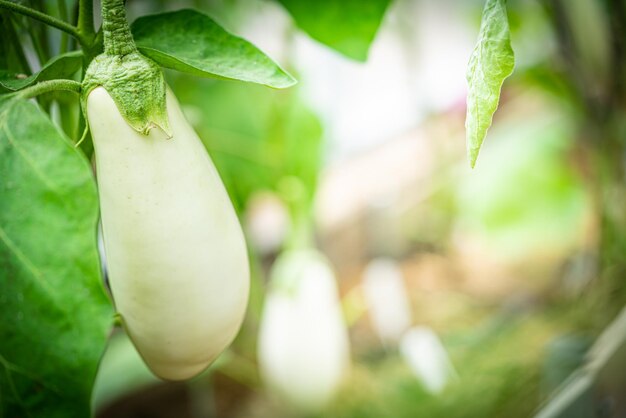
(64, 16)
(118, 39)
(85, 18)
(49, 86)
(47, 19)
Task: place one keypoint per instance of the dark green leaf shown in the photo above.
(491, 62)
(12, 56)
(348, 26)
(192, 42)
(62, 66)
(54, 315)
(4, 46)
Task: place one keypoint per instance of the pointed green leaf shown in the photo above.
(62, 66)
(192, 42)
(54, 314)
(347, 26)
(491, 62)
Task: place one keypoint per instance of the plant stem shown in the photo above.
(42, 32)
(42, 17)
(85, 18)
(64, 16)
(118, 39)
(49, 86)
(301, 234)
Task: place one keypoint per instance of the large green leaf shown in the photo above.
(54, 314)
(348, 26)
(61, 66)
(491, 62)
(192, 42)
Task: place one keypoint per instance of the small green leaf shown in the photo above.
(491, 62)
(62, 66)
(192, 42)
(54, 314)
(348, 26)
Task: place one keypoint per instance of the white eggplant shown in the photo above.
(176, 256)
(303, 343)
(427, 358)
(387, 299)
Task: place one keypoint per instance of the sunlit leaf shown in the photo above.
(491, 62)
(348, 26)
(61, 66)
(54, 315)
(192, 42)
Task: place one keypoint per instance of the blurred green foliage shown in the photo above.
(257, 137)
(526, 197)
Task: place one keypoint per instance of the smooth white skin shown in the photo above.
(176, 256)
(303, 346)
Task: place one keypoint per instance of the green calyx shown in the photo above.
(135, 83)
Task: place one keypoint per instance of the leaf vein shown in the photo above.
(28, 160)
(30, 266)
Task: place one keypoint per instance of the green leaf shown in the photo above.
(54, 314)
(61, 66)
(4, 46)
(348, 26)
(192, 42)
(491, 62)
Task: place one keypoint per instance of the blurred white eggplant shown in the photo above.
(303, 342)
(426, 356)
(387, 300)
(266, 222)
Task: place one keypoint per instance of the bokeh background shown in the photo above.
(465, 293)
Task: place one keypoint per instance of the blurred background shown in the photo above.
(459, 292)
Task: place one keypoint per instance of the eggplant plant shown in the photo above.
(91, 132)
(302, 332)
(175, 255)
